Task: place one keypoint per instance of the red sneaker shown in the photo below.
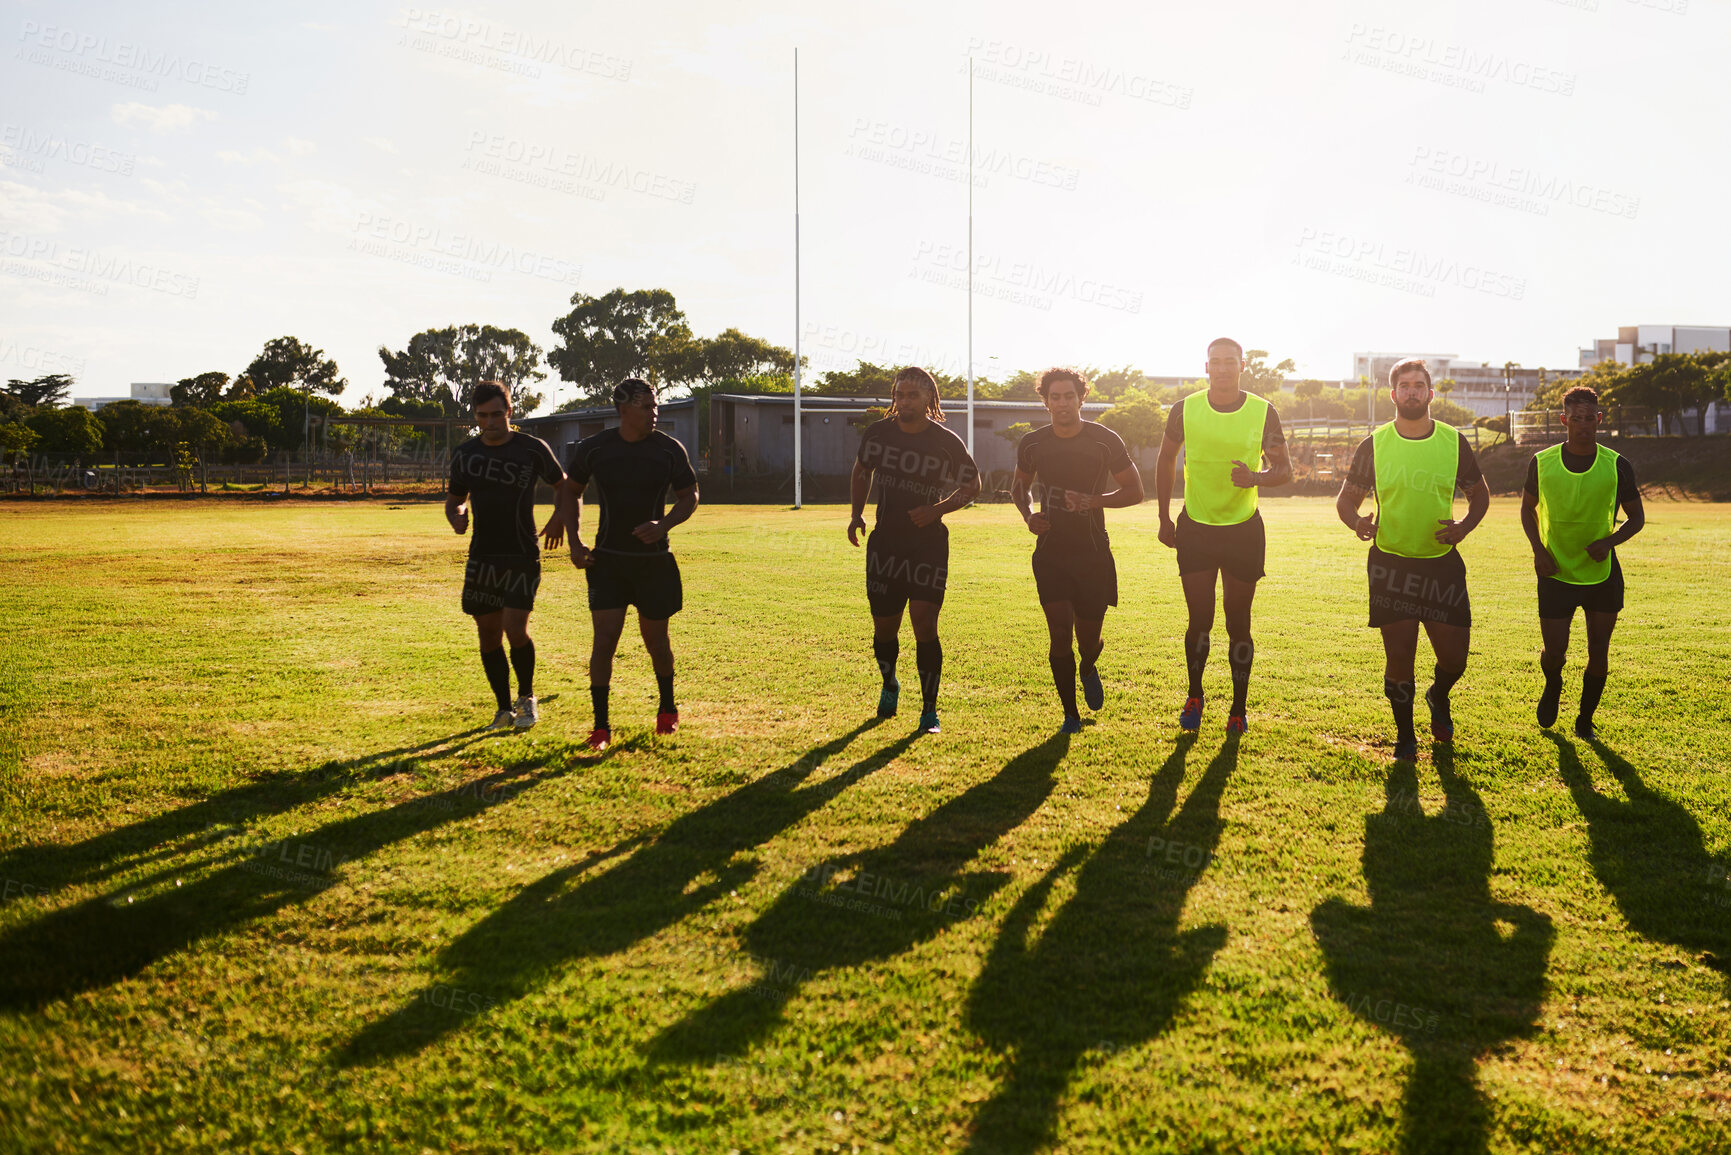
(667, 723)
(599, 738)
(1235, 724)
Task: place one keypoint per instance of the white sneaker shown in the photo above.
(527, 714)
(501, 721)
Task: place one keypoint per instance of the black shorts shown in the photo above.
(648, 581)
(1086, 578)
(1560, 599)
(1428, 589)
(494, 582)
(1239, 549)
(900, 569)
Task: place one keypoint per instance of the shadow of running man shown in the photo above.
(1649, 853)
(1430, 960)
(1112, 968)
(694, 861)
(870, 905)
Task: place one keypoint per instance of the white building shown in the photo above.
(148, 392)
(1637, 344)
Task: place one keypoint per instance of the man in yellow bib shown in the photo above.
(1569, 510)
(1219, 529)
(1414, 465)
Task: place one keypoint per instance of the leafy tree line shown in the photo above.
(1671, 384)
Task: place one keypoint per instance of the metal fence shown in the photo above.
(159, 472)
(1545, 426)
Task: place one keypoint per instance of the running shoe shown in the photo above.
(1406, 750)
(1191, 717)
(1442, 723)
(599, 738)
(503, 720)
(888, 698)
(1547, 711)
(929, 722)
(1235, 724)
(1072, 725)
(527, 713)
(1584, 729)
(667, 721)
(1093, 692)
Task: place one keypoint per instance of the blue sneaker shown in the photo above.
(1092, 692)
(1072, 725)
(1191, 716)
(887, 700)
(929, 722)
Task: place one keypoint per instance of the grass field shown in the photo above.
(267, 887)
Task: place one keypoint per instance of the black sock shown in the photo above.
(1087, 661)
(598, 699)
(664, 682)
(1399, 695)
(1064, 677)
(1443, 681)
(1553, 694)
(498, 669)
(523, 661)
(886, 651)
(1592, 685)
(1195, 657)
(1240, 657)
(929, 661)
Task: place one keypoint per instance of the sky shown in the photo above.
(1497, 179)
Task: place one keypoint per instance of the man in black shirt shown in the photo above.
(1568, 510)
(1074, 572)
(630, 564)
(923, 472)
(493, 475)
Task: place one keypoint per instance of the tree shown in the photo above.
(444, 366)
(201, 429)
(1137, 418)
(17, 438)
(733, 355)
(1110, 384)
(49, 390)
(205, 389)
(863, 380)
(608, 338)
(1259, 378)
(1449, 413)
(73, 429)
(1014, 433)
(134, 427)
(1670, 384)
(292, 362)
(1308, 391)
(275, 417)
(1446, 386)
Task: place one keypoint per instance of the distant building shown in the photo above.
(1478, 385)
(148, 392)
(677, 418)
(1636, 344)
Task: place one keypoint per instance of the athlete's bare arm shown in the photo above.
(1165, 476)
(1279, 471)
(1346, 507)
(969, 489)
(859, 486)
(684, 505)
(553, 533)
(1543, 563)
(1129, 492)
(580, 555)
(457, 513)
(1478, 504)
(1020, 486)
(1636, 514)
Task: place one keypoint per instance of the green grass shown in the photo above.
(268, 888)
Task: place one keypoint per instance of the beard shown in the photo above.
(1412, 410)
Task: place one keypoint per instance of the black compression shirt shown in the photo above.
(633, 477)
(499, 481)
(1085, 463)
(913, 469)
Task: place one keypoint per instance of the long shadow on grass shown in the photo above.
(1650, 854)
(174, 833)
(870, 905)
(114, 937)
(1429, 959)
(694, 861)
(1111, 969)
